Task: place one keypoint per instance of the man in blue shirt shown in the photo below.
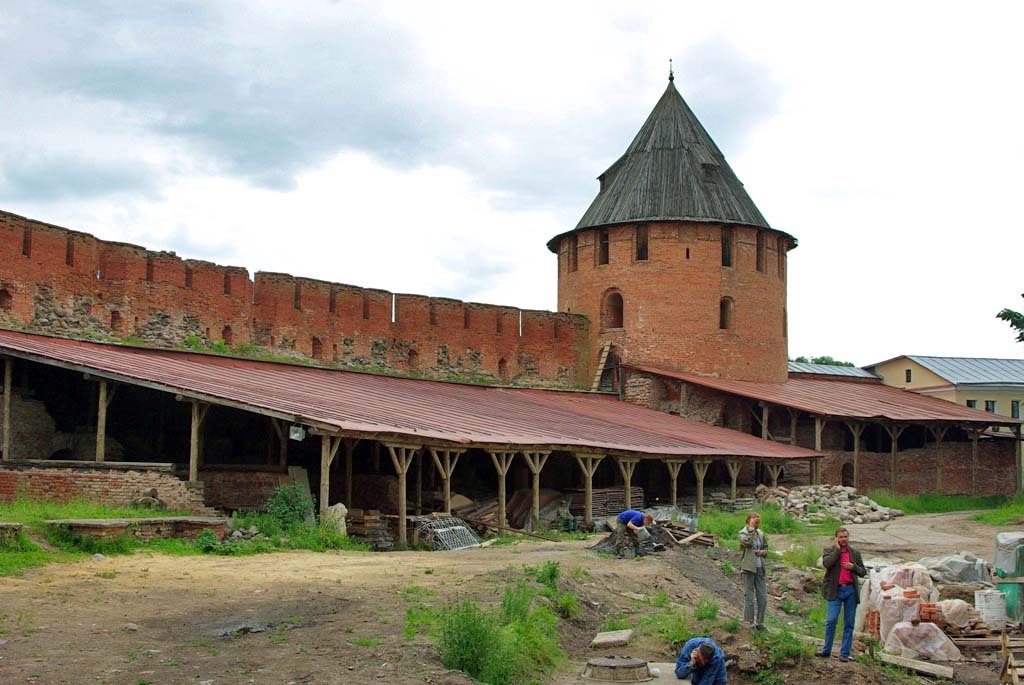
(627, 524)
(702, 661)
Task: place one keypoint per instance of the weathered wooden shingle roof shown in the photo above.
(671, 171)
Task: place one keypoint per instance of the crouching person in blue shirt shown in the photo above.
(702, 661)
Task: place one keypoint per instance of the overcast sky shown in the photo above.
(434, 148)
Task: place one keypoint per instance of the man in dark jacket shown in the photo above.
(843, 565)
(702, 661)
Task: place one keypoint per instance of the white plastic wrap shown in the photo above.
(1006, 544)
(955, 611)
(921, 641)
(895, 580)
(895, 610)
(958, 568)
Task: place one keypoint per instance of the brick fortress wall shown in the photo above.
(54, 280)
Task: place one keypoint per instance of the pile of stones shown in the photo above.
(250, 533)
(818, 502)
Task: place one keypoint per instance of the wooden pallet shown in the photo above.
(1013, 664)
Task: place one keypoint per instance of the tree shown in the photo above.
(1016, 321)
(828, 361)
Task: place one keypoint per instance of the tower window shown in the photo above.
(5, 299)
(726, 246)
(115, 321)
(573, 252)
(497, 324)
(332, 305)
(298, 295)
(710, 171)
(602, 246)
(149, 269)
(725, 313)
(990, 406)
(611, 311)
(465, 317)
(414, 360)
(227, 283)
(318, 348)
(503, 369)
(26, 242)
(781, 256)
(907, 375)
(760, 251)
(432, 313)
(366, 306)
(641, 243)
(69, 250)
(228, 336)
(188, 276)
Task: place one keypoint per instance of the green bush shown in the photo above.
(206, 542)
(290, 505)
(790, 606)
(616, 622)
(566, 605)
(731, 625)
(548, 574)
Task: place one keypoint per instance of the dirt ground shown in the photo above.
(304, 617)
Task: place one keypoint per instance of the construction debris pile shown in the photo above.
(664, 535)
(819, 502)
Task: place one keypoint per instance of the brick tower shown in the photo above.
(673, 263)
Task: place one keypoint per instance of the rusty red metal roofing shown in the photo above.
(844, 399)
(407, 409)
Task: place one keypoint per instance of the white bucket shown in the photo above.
(992, 606)
(643, 534)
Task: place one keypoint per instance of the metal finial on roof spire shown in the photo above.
(671, 74)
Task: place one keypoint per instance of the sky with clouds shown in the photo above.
(434, 148)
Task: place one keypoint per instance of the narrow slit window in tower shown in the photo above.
(26, 242)
(465, 317)
(503, 369)
(69, 250)
(298, 295)
(497, 323)
(227, 282)
(726, 246)
(228, 336)
(433, 314)
(641, 243)
(573, 252)
(332, 304)
(318, 348)
(725, 314)
(149, 269)
(188, 277)
(782, 257)
(366, 306)
(602, 246)
(760, 251)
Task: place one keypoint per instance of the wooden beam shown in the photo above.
(626, 466)
(588, 464)
(793, 416)
(766, 412)
(894, 432)
(401, 457)
(938, 432)
(674, 466)
(734, 474)
(700, 469)
(8, 391)
(445, 461)
(328, 449)
(535, 461)
(350, 447)
(916, 665)
(773, 472)
(419, 482)
(101, 422)
(193, 444)
(857, 428)
(282, 442)
(1018, 459)
(502, 462)
(975, 433)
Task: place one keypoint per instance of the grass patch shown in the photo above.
(33, 513)
(790, 606)
(567, 605)
(726, 525)
(616, 622)
(731, 625)
(672, 626)
(1010, 512)
(936, 504)
(802, 555)
(516, 644)
(783, 647)
(706, 610)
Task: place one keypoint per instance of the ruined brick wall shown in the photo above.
(116, 486)
(233, 489)
(54, 280)
(916, 472)
(671, 300)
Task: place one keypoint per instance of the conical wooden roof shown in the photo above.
(671, 171)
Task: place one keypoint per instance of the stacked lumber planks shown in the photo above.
(369, 525)
(606, 501)
(682, 535)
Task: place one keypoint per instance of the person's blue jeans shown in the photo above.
(847, 601)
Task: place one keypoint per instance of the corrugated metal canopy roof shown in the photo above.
(407, 409)
(830, 370)
(671, 171)
(844, 399)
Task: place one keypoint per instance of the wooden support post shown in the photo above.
(766, 413)
(198, 414)
(588, 464)
(350, 448)
(793, 415)
(857, 428)
(734, 473)
(894, 432)
(328, 448)
(975, 433)
(101, 422)
(282, 441)
(938, 432)
(375, 458)
(419, 482)
(401, 457)
(683, 399)
(773, 472)
(8, 391)
(535, 461)
(674, 466)
(626, 466)
(502, 462)
(700, 469)
(445, 461)
(1018, 459)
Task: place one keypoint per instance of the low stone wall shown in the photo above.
(144, 529)
(233, 488)
(116, 484)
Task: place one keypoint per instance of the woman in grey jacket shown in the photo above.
(753, 549)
